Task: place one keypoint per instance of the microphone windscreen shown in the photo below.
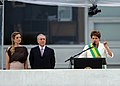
(94, 44)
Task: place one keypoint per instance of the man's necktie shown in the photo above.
(42, 51)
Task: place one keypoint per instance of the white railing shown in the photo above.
(60, 77)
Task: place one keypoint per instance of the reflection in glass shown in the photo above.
(31, 19)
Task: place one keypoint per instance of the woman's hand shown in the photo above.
(105, 44)
(107, 48)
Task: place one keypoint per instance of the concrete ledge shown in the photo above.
(60, 77)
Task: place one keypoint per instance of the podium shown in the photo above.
(89, 63)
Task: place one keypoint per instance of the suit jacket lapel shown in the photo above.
(39, 53)
(45, 51)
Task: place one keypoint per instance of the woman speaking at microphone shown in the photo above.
(98, 50)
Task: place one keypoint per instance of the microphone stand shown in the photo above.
(72, 57)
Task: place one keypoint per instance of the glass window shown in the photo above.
(32, 19)
(64, 13)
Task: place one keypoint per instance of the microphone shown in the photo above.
(94, 44)
(81, 52)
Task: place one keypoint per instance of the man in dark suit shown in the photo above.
(41, 56)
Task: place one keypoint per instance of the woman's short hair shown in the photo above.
(96, 33)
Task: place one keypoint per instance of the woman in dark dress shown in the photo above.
(16, 54)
